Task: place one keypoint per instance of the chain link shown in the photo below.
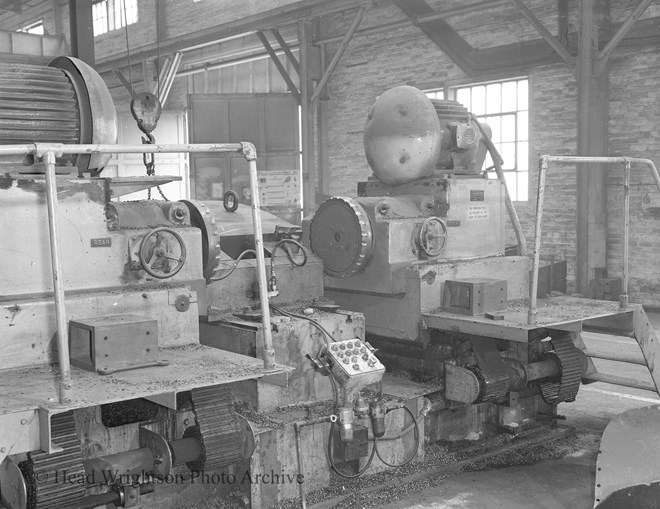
(149, 161)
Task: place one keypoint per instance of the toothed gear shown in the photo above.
(218, 428)
(341, 235)
(43, 472)
(572, 363)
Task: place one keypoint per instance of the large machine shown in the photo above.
(421, 252)
(108, 387)
(131, 329)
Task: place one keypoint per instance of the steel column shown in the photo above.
(81, 30)
(592, 140)
(307, 118)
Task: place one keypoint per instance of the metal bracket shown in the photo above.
(279, 379)
(14, 426)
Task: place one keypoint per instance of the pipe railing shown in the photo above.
(49, 151)
(543, 167)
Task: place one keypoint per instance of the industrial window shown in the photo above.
(436, 94)
(110, 15)
(34, 28)
(504, 106)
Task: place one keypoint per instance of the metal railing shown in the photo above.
(543, 167)
(48, 153)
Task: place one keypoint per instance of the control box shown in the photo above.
(353, 363)
(475, 296)
(113, 343)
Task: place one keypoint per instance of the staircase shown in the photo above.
(624, 339)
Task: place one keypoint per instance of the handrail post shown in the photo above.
(65, 384)
(623, 298)
(534, 283)
(250, 154)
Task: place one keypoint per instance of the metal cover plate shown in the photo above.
(341, 235)
(628, 459)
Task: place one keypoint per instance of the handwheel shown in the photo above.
(432, 236)
(155, 257)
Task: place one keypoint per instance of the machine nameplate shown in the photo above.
(477, 212)
(452, 223)
(104, 242)
(477, 195)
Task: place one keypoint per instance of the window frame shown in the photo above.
(450, 91)
(113, 15)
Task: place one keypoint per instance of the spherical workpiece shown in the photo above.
(402, 136)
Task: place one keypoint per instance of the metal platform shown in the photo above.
(564, 313)
(29, 396)
(189, 366)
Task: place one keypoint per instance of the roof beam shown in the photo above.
(516, 57)
(10, 5)
(280, 67)
(624, 29)
(458, 11)
(440, 32)
(302, 9)
(287, 50)
(338, 54)
(552, 41)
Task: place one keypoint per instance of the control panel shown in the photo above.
(351, 359)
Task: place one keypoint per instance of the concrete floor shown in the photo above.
(567, 483)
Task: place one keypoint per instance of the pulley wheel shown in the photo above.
(341, 235)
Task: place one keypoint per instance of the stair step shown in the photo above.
(607, 330)
(626, 358)
(619, 380)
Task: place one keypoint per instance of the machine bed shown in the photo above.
(565, 313)
(190, 366)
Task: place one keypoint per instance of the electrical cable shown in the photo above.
(238, 260)
(415, 449)
(281, 245)
(329, 337)
(334, 466)
(335, 390)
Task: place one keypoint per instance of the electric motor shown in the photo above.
(63, 102)
(408, 136)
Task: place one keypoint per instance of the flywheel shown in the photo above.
(341, 235)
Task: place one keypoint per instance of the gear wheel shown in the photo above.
(218, 429)
(341, 235)
(572, 362)
(43, 472)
